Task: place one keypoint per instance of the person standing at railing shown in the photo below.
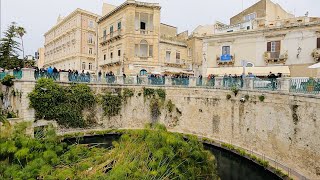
(55, 73)
(272, 77)
(50, 72)
(99, 76)
(88, 77)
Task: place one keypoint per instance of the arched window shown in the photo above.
(250, 64)
(143, 72)
(144, 48)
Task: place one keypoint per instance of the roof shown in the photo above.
(128, 3)
(78, 10)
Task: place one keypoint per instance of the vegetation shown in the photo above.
(152, 153)
(261, 98)
(63, 104)
(228, 96)
(246, 97)
(8, 80)
(9, 49)
(157, 99)
(127, 93)
(111, 104)
(170, 106)
(235, 90)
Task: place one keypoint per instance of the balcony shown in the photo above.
(177, 64)
(110, 62)
(114, 36)
(275, 57)
(316, 55)
(225, 60)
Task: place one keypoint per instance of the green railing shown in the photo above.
(54, 76)
(305, 85)
(206, 82)
(17, 74)
(269, 84)
(2, 75)
(229, 82)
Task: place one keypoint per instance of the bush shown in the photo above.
(8, 80)
(246, 97)
(235, 90)
(228, 96)
(111, 104)
(261, 98)
(63, 104)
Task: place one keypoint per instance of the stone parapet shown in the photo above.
(27, 74)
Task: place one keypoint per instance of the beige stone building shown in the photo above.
(133, 41)
(268, 39)
(72, 42)
(40, 57)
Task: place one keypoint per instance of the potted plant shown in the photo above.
(310, 84)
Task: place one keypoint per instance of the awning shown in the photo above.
(315, 66)
(257, 71)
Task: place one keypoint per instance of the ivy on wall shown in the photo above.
(63, 104)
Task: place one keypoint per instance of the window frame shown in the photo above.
(168, 52)
(228, 50)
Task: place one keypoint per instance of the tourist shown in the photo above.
(50, 72)
(99, 76)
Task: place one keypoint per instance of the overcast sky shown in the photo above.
(37, 16)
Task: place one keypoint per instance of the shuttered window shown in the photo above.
(274, 46)
(318, 43)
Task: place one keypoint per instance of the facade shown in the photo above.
(132, 41)
(40, 57)
(285, 44)
(71, 43)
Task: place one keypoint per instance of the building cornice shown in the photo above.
(175, 43)
(265, 31)
(130, 3)
(74, 13)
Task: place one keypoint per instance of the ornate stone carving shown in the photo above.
(226, 63)
(316, 55)
(275, 57)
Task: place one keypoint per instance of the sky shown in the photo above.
(38, 16)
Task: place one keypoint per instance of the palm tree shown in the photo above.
(21, 32)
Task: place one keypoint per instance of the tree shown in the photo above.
(9, 48)
(21, 32)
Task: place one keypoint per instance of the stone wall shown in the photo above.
(283, 127)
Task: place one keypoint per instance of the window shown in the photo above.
(90, 39)
(111, 30)
(318, 43)
(90, 50)
(104, 33)
(90, 66)
(119, 52)
(111, 55)
(104, 57)
(91, 24)
(274, 46)
(248, 27)
(142, 25)
(143, 72)
(189, 52)
(168, 54)
(144, 48)
(250, 17)
(225, 50)
(83, 65)
(151, 51)
(178, 55)
(119, 26)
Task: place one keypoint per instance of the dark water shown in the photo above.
(230, 165)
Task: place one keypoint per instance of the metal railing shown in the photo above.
(269, 84)
(305, 85)
(229, 82)
(205, 82)
(79, 78)
(180, 81)
(2, 75)
(17, 74)
(42, 74)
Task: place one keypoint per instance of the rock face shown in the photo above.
(284, 127)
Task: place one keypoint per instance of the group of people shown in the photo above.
(74, 76)
(46, 73)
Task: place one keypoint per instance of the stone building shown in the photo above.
(266, 38)
(71, 43)
(39, 56)
(132, 40)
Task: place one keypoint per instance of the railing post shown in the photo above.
(168, 81)
(218, 82)
(284, 84)
(27, 74)
(135, 80)
(192, 81)
(119, 80)
(64, 77)
(248, 83)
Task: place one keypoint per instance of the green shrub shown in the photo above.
(112, 104)
(170, 106)
(235, 90)
(127, 93)
(246, 97)
(228, 96)
(261, 98)
(63, 104)
(8, 80)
